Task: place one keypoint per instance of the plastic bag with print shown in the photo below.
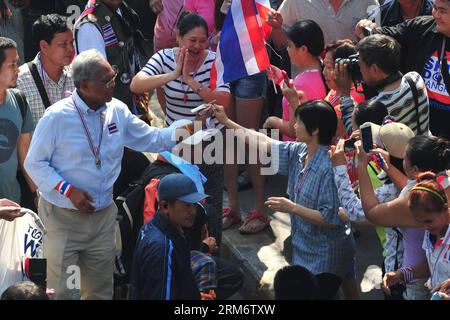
(19, 239)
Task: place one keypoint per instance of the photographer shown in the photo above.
(378, 65)
(422, 40)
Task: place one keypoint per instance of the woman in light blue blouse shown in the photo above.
(319, 239)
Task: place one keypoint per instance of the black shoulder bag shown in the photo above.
(39, 84)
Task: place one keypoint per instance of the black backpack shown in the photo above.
(27, 197)
(130, 204)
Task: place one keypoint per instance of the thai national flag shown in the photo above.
(112, 128)
(241, 51)
(263, 7)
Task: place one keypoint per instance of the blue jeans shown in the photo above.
(251, 87)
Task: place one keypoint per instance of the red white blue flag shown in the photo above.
(241, 51)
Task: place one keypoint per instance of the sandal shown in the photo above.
(254, 223)
(230, 218)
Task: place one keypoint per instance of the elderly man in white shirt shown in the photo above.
(74, 159)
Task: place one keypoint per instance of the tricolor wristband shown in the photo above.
(64, 188)
(408, 275)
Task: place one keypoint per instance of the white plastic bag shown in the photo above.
(19, 239)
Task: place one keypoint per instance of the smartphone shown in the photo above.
(200, 108)
(366, 136)
(349, 145)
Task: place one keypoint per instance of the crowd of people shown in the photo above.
(363, 139)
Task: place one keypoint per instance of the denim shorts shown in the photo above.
(251, 87)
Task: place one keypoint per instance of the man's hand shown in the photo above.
(156, 6)
(9, 210)
(363, 24)
(82, 200)
(342, 79)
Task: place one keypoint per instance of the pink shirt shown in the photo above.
(204, 8)
(311, 83)
(165, 31)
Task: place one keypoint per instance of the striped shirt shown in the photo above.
(177, 108)
(400, 105)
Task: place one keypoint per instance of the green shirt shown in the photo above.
(11, 126)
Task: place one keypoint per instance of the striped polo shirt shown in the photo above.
(177, 107)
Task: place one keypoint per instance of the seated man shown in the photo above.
(162, 259)
(216, 277)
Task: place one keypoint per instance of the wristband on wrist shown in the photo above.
(64, 188)
(407, 273)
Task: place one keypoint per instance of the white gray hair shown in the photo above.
(86, 66)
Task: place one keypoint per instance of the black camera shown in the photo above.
(352, 66)
(37, 272)
(349, 144)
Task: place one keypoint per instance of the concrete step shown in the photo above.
(259, 255)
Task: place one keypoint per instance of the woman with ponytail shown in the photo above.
(429, 206)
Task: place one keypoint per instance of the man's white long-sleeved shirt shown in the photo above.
(60, 149)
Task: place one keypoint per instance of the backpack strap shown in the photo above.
(415, 94)
(399, 238)
(21, 101)
(39, 84)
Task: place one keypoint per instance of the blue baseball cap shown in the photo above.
(177, 186)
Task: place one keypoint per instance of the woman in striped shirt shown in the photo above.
(183, 74)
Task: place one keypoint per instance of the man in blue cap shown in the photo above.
(162, 261)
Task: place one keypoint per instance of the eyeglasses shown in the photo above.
(110, 82)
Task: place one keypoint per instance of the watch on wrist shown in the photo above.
(199, 89)
(346, 100)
